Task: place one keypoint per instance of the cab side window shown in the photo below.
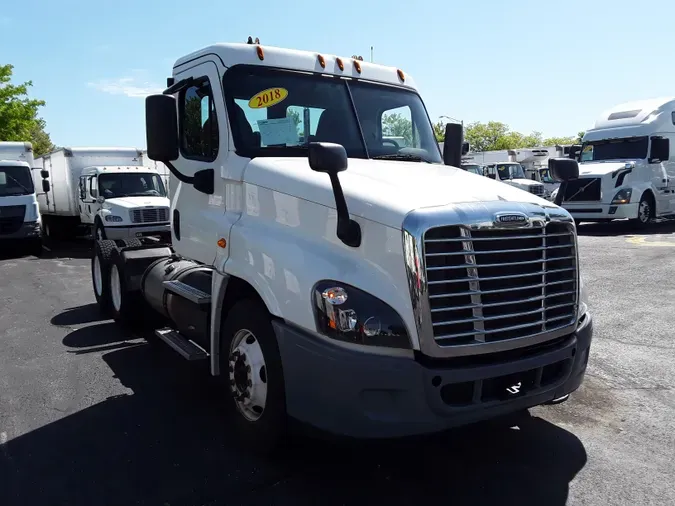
(198, 123)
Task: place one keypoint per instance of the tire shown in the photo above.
(247, 329)
(99, 231)
(646, 210)
(100, 273)
(125, 305)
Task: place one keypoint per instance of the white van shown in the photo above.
(626, 168)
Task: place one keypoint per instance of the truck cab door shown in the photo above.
(197, 218)
(87, 199)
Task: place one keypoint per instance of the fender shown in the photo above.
(283, 252)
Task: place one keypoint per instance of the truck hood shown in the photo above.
(134, 202)
(587, 169)
(382, 190)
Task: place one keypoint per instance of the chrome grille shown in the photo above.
(537, 189)
(499, 284)
(150, 215)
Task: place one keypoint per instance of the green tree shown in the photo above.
(19, 120)
(295, 117)
(560, 141)
(495, 135)
(396, 125)
(439, 131)
(580, 136)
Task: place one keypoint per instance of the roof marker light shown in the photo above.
(357, 66)
(322, 61)
(340, 64)
(259, 50)
(401, 75)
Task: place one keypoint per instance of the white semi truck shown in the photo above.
(19, 212)
(626, 168)
(329, 276)
(107, 190)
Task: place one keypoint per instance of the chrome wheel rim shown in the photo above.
(248, 375)
(115, 288)
(98, 276)
(644, 211)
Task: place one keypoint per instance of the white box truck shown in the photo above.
(19, 212)
(626, 168)
(328, 275)
(107, 190)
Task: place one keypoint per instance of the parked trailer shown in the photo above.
(108, 191)
(289, 258)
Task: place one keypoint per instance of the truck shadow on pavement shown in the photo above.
(623, 227)
(166, 442)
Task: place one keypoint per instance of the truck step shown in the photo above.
(186, 348)
(188, 292)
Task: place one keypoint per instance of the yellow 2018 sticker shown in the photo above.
(268, 98)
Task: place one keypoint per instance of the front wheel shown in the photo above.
(646, 210)
(99, 231)
(252, 376)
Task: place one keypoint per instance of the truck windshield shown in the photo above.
(628, 148)
(278, 113)
(15, 180)
(510, 171)
(131, 184)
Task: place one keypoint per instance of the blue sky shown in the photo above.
(547, 66)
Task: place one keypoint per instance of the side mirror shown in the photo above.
(327, 157)
(203, 181)
(45, 186)
(465, 148)
(44, 174)
(332, 159)
(563, 169)
(161, 128)
(660, 150)
(453, 144)
(100, 199)
(574, 152)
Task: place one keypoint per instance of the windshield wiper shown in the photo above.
(401, 156)
(19, 183)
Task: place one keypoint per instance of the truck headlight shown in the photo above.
(351, 315)
(583, 298)
(622, 196)
(113, 218)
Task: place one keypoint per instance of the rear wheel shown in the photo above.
(252, 376)
(100, 272)
(125, 304)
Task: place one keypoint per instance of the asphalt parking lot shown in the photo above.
(90, 414)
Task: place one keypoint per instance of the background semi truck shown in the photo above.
(19, 213)
(327, 275)
(105, 190)
(627, 169)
